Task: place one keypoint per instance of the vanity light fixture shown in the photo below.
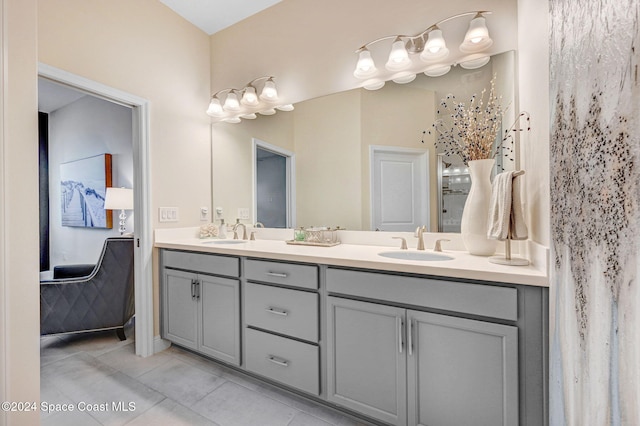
(431, 48)
(231, 105)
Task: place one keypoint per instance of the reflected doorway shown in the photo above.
(273, 185)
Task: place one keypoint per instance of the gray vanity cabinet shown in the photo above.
(202, 311)
(461, 371)
(366, 360)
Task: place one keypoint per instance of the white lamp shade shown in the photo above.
(232, 120)
(404, 77)
(365, 67)
(399, 57)
(477, 37)
(374, 84)
(215, 109)
(269, 111)
(472, 62)
(286, 107)
(118, 199)
(232, 103)
(435, 49)
(437, 70)
(269, 92)
(250, 116)
(250, 97)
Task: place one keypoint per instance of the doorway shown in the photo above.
(399, 188)
(144, 340)
(274, 187)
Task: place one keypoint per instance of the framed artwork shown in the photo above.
(83, 185)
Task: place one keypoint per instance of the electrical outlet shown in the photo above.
(168, 214)
(243, 213)
(204, 213)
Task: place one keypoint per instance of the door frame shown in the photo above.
(423, 155)
(291, 178)
(144, 339)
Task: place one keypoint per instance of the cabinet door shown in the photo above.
(180, 316)
(461, 372)
(219, 318)
(366, 360)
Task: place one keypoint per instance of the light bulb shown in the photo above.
(249, 96)
(365, 67)
(215, 109)
(399, 57)
(269, 92)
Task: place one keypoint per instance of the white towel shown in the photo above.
(506, 209)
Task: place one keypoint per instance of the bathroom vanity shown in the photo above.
(399, 342)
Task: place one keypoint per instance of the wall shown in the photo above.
(87, 127)
(145, 49)
(19, 240)
(595, 212)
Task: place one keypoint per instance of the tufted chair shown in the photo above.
(101, 300)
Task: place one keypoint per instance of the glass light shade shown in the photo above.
(269, 92)
(365, 67)
(399, 57)
(232, 103)
(404, 78)
(215, 108)
(249, 97)
(118, 199)
(269, 111)
(250, 116)
(472, 62)
(437, 70)
(435, 49)
(233, 120)
(477, 37)
(285, 107)
(374, 84)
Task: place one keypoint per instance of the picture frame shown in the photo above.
(83, 185)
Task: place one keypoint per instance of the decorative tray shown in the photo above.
(312, 243)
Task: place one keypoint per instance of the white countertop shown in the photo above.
(463, 264)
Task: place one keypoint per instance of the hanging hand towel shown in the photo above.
(518, 225)
(500, 207)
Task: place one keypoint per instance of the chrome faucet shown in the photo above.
(235, 231)
(421, 237)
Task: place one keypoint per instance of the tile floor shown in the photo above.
(174, 387)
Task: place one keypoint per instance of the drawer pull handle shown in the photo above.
(279, 361)
(277, 274)
(277, 311)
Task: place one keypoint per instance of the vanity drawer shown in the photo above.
(284, 360)
(305, 276)
(468, 298)
(198, 262)
(285, 311)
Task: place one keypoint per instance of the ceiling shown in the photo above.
(53, 96)
(212, 16)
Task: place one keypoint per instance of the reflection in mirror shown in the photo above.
(332, 139)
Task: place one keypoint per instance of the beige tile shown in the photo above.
(170, 413)
(125, 360)
(181, 382)
(235, 405)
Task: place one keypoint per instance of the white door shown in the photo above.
(399, 189)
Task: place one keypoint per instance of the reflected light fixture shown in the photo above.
(429, 46)
(231, 105)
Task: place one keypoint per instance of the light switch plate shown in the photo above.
(243, 213)
(168, 214)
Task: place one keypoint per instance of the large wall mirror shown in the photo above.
(332, 150)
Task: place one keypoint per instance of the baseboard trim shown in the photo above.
(160, 344)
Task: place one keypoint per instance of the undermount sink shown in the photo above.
(224, 242)
(415, 255)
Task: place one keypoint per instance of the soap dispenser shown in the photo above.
(222, 231)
